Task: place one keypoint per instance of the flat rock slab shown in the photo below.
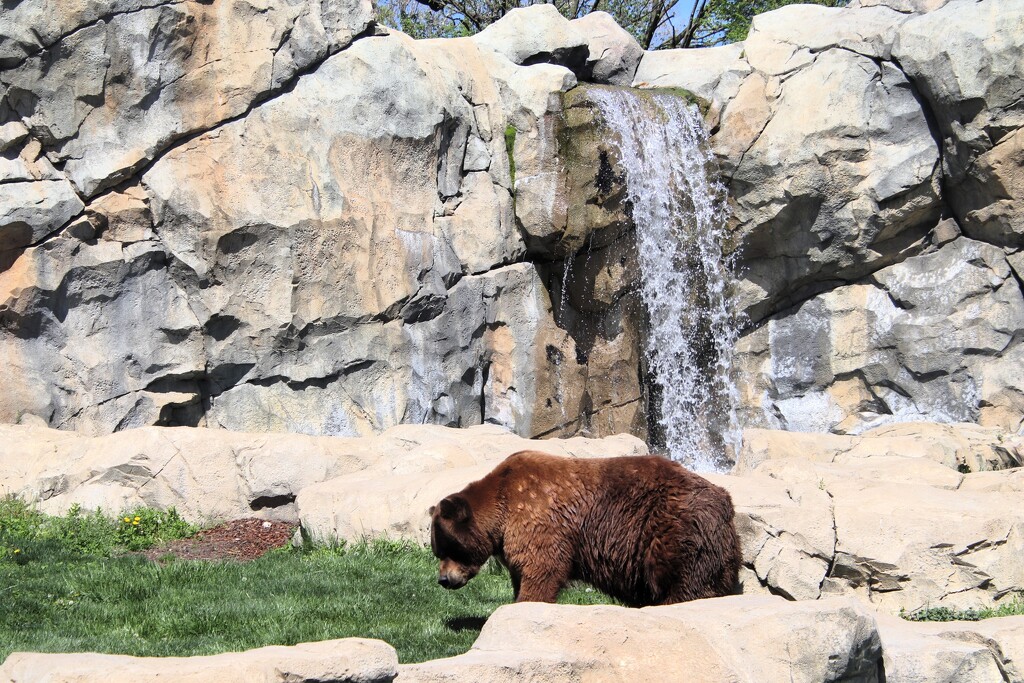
(357, 660)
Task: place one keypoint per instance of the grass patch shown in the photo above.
(1009, 609)
(27, 534)
(75, 593)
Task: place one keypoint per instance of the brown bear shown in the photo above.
(642, 529)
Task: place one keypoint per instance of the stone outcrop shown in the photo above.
(965, 448)
(972, 652)
(105, 89)
(353, 660)
(810, 508)
(972, 85)
(212, 475)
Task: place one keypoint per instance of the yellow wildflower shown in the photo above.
(127, 519)
(17, 550)
(136, 522)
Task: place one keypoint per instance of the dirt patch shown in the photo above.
(240, 539)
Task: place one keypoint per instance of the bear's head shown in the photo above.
(457, 541)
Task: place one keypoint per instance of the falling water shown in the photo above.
(679, 211)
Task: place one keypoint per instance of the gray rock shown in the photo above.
(972, 83)
(918, 341)
(103, 337)
(613, 53)
(831, 190)
(32, 210)
(109, 96)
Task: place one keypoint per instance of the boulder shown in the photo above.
(746, 638)
(971, 652)
(787, 534)
(356, 660)
(945, 543)
(963, 447)
(613, 53)
(712, 73)
(537, 34)
(829, 191)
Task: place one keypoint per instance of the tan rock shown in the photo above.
(972, 652)
(954, 446)
(787, 533)
(349, 659)
(713, 73)
(742, 638)
(810, 508)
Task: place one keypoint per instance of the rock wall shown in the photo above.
(874, 168)
(284, 217)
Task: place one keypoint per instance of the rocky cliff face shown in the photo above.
(279, 216)
(875, 173)
(284, 218)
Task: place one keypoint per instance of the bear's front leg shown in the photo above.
(538, 589)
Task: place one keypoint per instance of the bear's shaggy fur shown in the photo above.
(642, 529)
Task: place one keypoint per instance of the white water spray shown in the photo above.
(679, 212)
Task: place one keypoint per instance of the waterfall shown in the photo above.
(678, 207)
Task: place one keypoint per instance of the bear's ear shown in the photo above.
(431, 510)
(455, 508)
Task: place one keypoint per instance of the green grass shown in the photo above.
(1009, 609)
(26, 533)
(57, 597)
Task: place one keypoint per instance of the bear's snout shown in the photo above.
(452, 575)
(452, 580)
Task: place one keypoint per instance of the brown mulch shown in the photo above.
(240, 539)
